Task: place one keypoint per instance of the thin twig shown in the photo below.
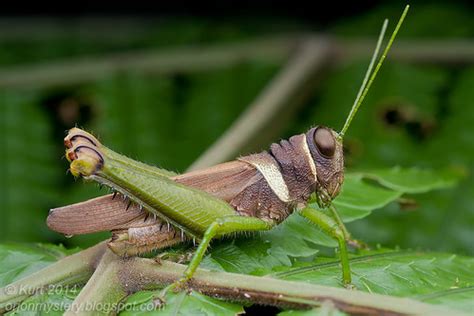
(282, 95)
(200, 58)
(174, 60)
(449, 51)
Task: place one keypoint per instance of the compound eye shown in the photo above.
(325, 142)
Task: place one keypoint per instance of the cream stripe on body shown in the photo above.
(309, 158)
(270, 170)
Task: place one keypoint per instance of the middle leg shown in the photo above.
(347, 235)
(330, 227)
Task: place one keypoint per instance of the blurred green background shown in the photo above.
(417, 113)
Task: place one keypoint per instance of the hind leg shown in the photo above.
(222, 226)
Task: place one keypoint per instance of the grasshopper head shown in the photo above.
(326, 145)
(326, 150)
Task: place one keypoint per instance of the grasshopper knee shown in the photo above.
(338, 234)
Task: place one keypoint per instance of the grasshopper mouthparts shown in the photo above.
(82, 151)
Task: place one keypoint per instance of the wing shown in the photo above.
(107, 213)
(240, 184)
(223, 181)
(100, 214)
(133, 231)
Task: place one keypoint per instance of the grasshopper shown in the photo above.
(251, 194)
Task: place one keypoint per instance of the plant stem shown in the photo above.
(264, 290)
(70, 270)
(103, 291)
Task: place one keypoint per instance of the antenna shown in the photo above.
(370, 76)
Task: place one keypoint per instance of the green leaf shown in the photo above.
(358, 198)
(146, 303)
(20, 260)
(436, 278)
(460, 298)
(53, 302)
(356, 193)
(413, 180)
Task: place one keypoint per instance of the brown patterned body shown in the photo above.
(296, 167)
(267, 185)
